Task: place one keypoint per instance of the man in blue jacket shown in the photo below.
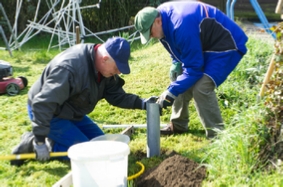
(68, 89)
(205, 46)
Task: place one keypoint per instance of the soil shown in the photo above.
(176, 170)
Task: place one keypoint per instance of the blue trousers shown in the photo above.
(66, 133)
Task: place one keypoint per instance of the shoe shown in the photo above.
(168, 130)
(25, 146)
(212, 133)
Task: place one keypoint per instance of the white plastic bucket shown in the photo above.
(113, 137)
(99, 164)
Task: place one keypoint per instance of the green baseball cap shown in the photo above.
(143, 21)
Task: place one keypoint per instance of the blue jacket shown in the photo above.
(192, 29)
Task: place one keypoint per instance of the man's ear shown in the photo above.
(158, 20)
(105, 58)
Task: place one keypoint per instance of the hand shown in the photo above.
(152, 99)
(166, 99)
(41, 151)
(175, 70)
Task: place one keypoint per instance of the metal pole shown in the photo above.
(81, 23)
(5, 40)
(8, 23)
(232, 9)
(228, 4)
(153, 129)
(262, 17)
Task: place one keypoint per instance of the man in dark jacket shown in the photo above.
(68, 89)
(205, 46)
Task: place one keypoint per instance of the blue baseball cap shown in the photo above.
(119, 49)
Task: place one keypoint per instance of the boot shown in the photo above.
(25, 146)
(169, 130)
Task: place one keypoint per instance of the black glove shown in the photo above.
(42, 151)
(152, 99)
(166, 99)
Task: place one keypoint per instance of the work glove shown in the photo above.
(175, 70)
(166, 99)
(152, 99)
(42, 151)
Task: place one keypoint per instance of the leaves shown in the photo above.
(274, 98)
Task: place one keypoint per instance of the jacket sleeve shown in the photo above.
(190, 49)
(55, 91)
(116, 95)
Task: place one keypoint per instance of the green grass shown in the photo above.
(230, 159)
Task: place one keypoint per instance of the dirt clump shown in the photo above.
(176, 170)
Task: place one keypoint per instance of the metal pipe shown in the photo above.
(228, 4)
(262, 17)
(5, 40)
(153, 129)
(232, 9)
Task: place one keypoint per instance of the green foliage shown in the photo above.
(274, 91)
(234, 154)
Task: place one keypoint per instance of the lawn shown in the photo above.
(230, 160)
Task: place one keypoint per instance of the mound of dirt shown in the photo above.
(177, 171)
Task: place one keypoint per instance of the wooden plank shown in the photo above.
(128, 131)
(78, 35)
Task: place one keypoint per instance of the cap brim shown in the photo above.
(145, 36)
(123, 67)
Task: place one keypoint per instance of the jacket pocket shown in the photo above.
(67, 111)
(81, 100)
(76, 107)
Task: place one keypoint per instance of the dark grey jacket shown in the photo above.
(68, 89)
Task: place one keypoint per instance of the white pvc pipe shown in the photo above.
(134, 125)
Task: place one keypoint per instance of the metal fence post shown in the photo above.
(153, 130)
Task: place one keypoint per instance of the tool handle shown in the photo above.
(267, 76)
(31, 155)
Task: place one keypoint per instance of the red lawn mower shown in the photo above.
(9, 84)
